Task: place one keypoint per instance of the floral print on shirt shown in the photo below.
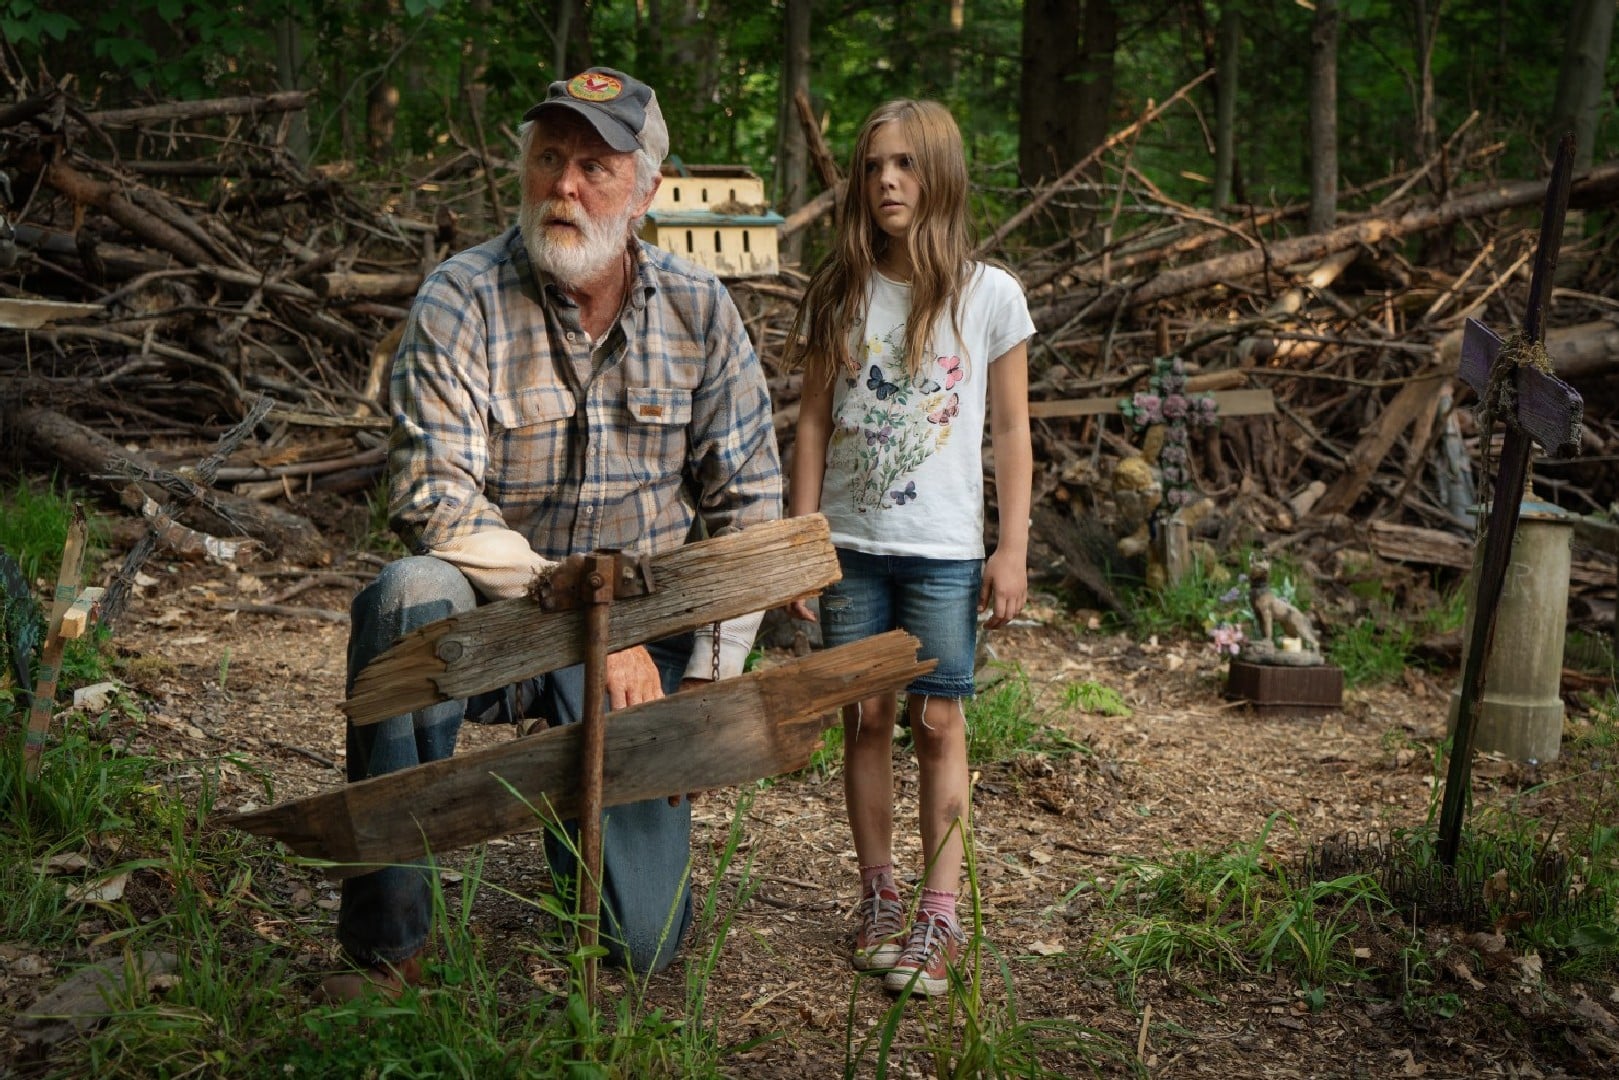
(889, 423)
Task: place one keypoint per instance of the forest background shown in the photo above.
(1034, 85)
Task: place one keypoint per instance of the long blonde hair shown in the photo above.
(940, 246)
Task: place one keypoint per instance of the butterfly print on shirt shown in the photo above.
(882, 386)
(946, 412)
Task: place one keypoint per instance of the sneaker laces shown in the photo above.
(929, 935)
(885, 915)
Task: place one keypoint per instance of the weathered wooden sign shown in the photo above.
(731, 732)
(756, 569)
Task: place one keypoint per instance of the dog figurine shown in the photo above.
(1272, 612)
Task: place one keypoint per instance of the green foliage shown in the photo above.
(29, 23)
(379, 536)
(33, 529)
(718, 70)
(828, 756)
(1235, 910)
(1092, 696)
(1372, 651)
(1007, 719)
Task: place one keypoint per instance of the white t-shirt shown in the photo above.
(904, 464)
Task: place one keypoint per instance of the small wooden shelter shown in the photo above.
(716, 216)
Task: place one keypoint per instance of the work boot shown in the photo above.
(385, 980)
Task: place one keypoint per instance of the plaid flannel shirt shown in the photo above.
(506, 414)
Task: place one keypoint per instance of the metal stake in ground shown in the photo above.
(1515, 384)
(596, 597)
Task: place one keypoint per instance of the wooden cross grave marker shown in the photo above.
(1537, 407)
(761, 724)
(1173, 548)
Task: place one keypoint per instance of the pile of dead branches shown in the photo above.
(220, 271)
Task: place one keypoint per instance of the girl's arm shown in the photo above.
(1006, 574)
(809, 456)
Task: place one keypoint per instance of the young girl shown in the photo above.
(903, 339)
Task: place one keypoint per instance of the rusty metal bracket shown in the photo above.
(561, 589)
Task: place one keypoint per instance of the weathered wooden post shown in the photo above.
(1515, 384)
(71, 609)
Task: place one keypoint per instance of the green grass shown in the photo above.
(379, 535)
(1235, 910)
(33, 529)
(1008, 719)
(1373, 650)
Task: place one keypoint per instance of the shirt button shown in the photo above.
(589, 511)
(570, 335)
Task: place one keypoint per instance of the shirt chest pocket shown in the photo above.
(529, 435)
(656, 439)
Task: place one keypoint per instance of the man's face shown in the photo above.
(578, 199)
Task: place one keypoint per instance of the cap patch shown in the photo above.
(595, 86)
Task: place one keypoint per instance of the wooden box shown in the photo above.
(1277, 690)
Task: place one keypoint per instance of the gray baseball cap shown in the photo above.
(613, 102)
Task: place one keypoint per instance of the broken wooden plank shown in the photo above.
(17, 313)
(1376, 445)
(77, 618)
(730, 732)
(1226, 403)
(758, 568)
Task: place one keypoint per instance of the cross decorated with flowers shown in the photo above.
(1167, 403)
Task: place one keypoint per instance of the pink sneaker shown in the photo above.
(882, 929)
(934, 945)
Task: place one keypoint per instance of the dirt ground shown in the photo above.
(1185, 770)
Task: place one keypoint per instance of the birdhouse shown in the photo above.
(715, 216)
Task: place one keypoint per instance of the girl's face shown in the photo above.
(892, 188)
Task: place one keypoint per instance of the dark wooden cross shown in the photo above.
(1536, 407)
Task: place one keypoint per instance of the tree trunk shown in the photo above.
(1324, 117)
(1580, 79)
(1048, 140)
(382, 96)
(792, 150)
(1225, 108)
(1095, 101)
(475, 59)
(1426, 32)
(289, 75)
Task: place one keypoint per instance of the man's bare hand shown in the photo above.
(800, 609)
(632, 678)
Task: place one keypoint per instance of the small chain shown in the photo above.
(716, 652)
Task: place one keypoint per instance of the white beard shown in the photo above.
(573, 261)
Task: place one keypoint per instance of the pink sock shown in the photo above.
(939, 904)
(877, 877)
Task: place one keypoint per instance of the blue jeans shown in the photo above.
(936, 600)
(646, 846)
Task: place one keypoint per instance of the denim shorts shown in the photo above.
(935, 600)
